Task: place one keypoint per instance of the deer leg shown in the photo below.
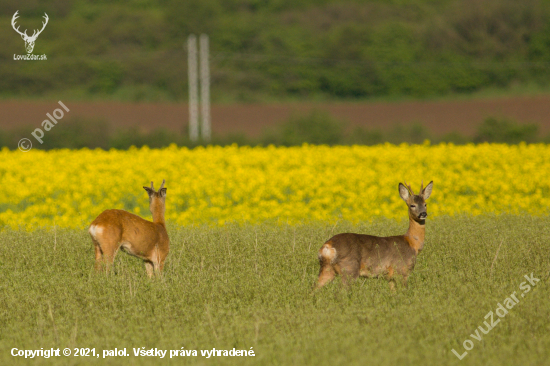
(350, 271)
(390, 278)
(163, 256)
(98, 256)
(404, 281)
(326, 275)
(109, 252)
(347, 278)
(149, 267)
(107, 241)
(156, 262)
(326, 270)
(109, 260)
(156, 268)
(161, 263)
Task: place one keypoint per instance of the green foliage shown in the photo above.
(316, 127)
(107, 77)
(276, 49)
(414, 133)
(123, 139)
(250, 286)
(506, 131)
(77, 133)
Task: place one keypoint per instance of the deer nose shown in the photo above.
(423, 215)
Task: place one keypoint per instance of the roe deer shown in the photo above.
(354, 255)
(147, 240)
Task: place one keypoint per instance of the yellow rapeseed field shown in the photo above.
(215, 185)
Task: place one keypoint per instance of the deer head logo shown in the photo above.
(29, 41)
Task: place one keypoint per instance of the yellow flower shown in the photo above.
(215, 185)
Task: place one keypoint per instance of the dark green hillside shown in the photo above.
(277, 49)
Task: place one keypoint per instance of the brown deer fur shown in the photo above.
(354, 255)
(115, 229)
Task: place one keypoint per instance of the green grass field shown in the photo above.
(242, 287)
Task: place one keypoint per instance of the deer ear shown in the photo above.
(427, 191)
(149, 191)
(404, 192)
(162, 192)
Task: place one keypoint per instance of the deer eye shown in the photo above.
(413, 206)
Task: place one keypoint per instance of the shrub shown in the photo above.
(506, 131)
(318, 127)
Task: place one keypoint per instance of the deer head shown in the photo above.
(157, 201)
(416, 202)
(29, 41)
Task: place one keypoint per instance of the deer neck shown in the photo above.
(416, 233)
(157, 209)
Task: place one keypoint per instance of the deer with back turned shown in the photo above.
(354, 255)
(115, 229)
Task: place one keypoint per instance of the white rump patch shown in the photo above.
(95, 230)
(327, 252)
